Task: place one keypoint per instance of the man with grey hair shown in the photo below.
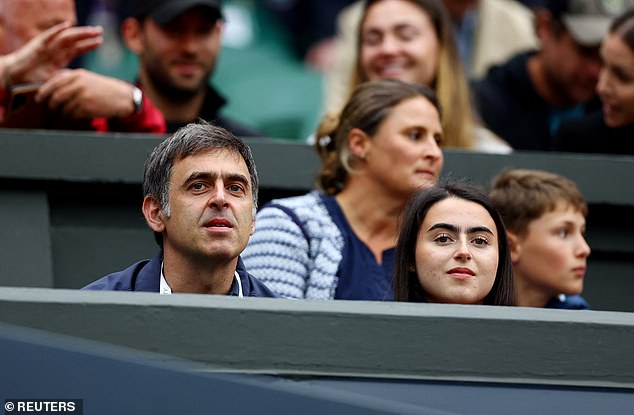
(200, 193)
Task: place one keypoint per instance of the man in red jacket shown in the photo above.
(37, 41)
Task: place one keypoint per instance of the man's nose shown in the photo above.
(218, 197)
(188, 41)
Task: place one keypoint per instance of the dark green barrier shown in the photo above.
(70, 204)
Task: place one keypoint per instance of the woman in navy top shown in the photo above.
(339, 242)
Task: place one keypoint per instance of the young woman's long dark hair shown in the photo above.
(406, 284)
(623, 25)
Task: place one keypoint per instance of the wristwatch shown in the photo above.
(137, 99)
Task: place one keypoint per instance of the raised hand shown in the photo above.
(48, 52)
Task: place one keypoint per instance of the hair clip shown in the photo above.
(325, 141)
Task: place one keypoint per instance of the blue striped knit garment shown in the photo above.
(296, 248)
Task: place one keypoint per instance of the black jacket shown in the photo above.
(210, 111)
(510, 106)
(591, 135)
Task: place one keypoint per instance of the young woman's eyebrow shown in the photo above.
(446, 226)
(477, 229)
(454, 228)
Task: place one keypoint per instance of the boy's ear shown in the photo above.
(515, 247)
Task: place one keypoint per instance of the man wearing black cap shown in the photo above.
(178, 42)
(525, 100)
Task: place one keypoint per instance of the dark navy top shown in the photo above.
(360, 276)
(568, 302)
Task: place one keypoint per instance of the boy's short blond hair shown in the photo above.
(523, 195)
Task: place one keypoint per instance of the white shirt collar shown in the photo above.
(165, 289)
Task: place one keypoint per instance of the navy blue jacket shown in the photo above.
(146, 276)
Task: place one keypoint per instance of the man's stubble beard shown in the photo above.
(163, 84)
(559, 86)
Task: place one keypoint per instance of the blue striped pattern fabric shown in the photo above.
(296, 248)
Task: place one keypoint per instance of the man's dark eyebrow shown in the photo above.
(237, 177)
(200, 175)
(231, 177)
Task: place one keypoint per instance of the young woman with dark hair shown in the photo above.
(453, 248)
